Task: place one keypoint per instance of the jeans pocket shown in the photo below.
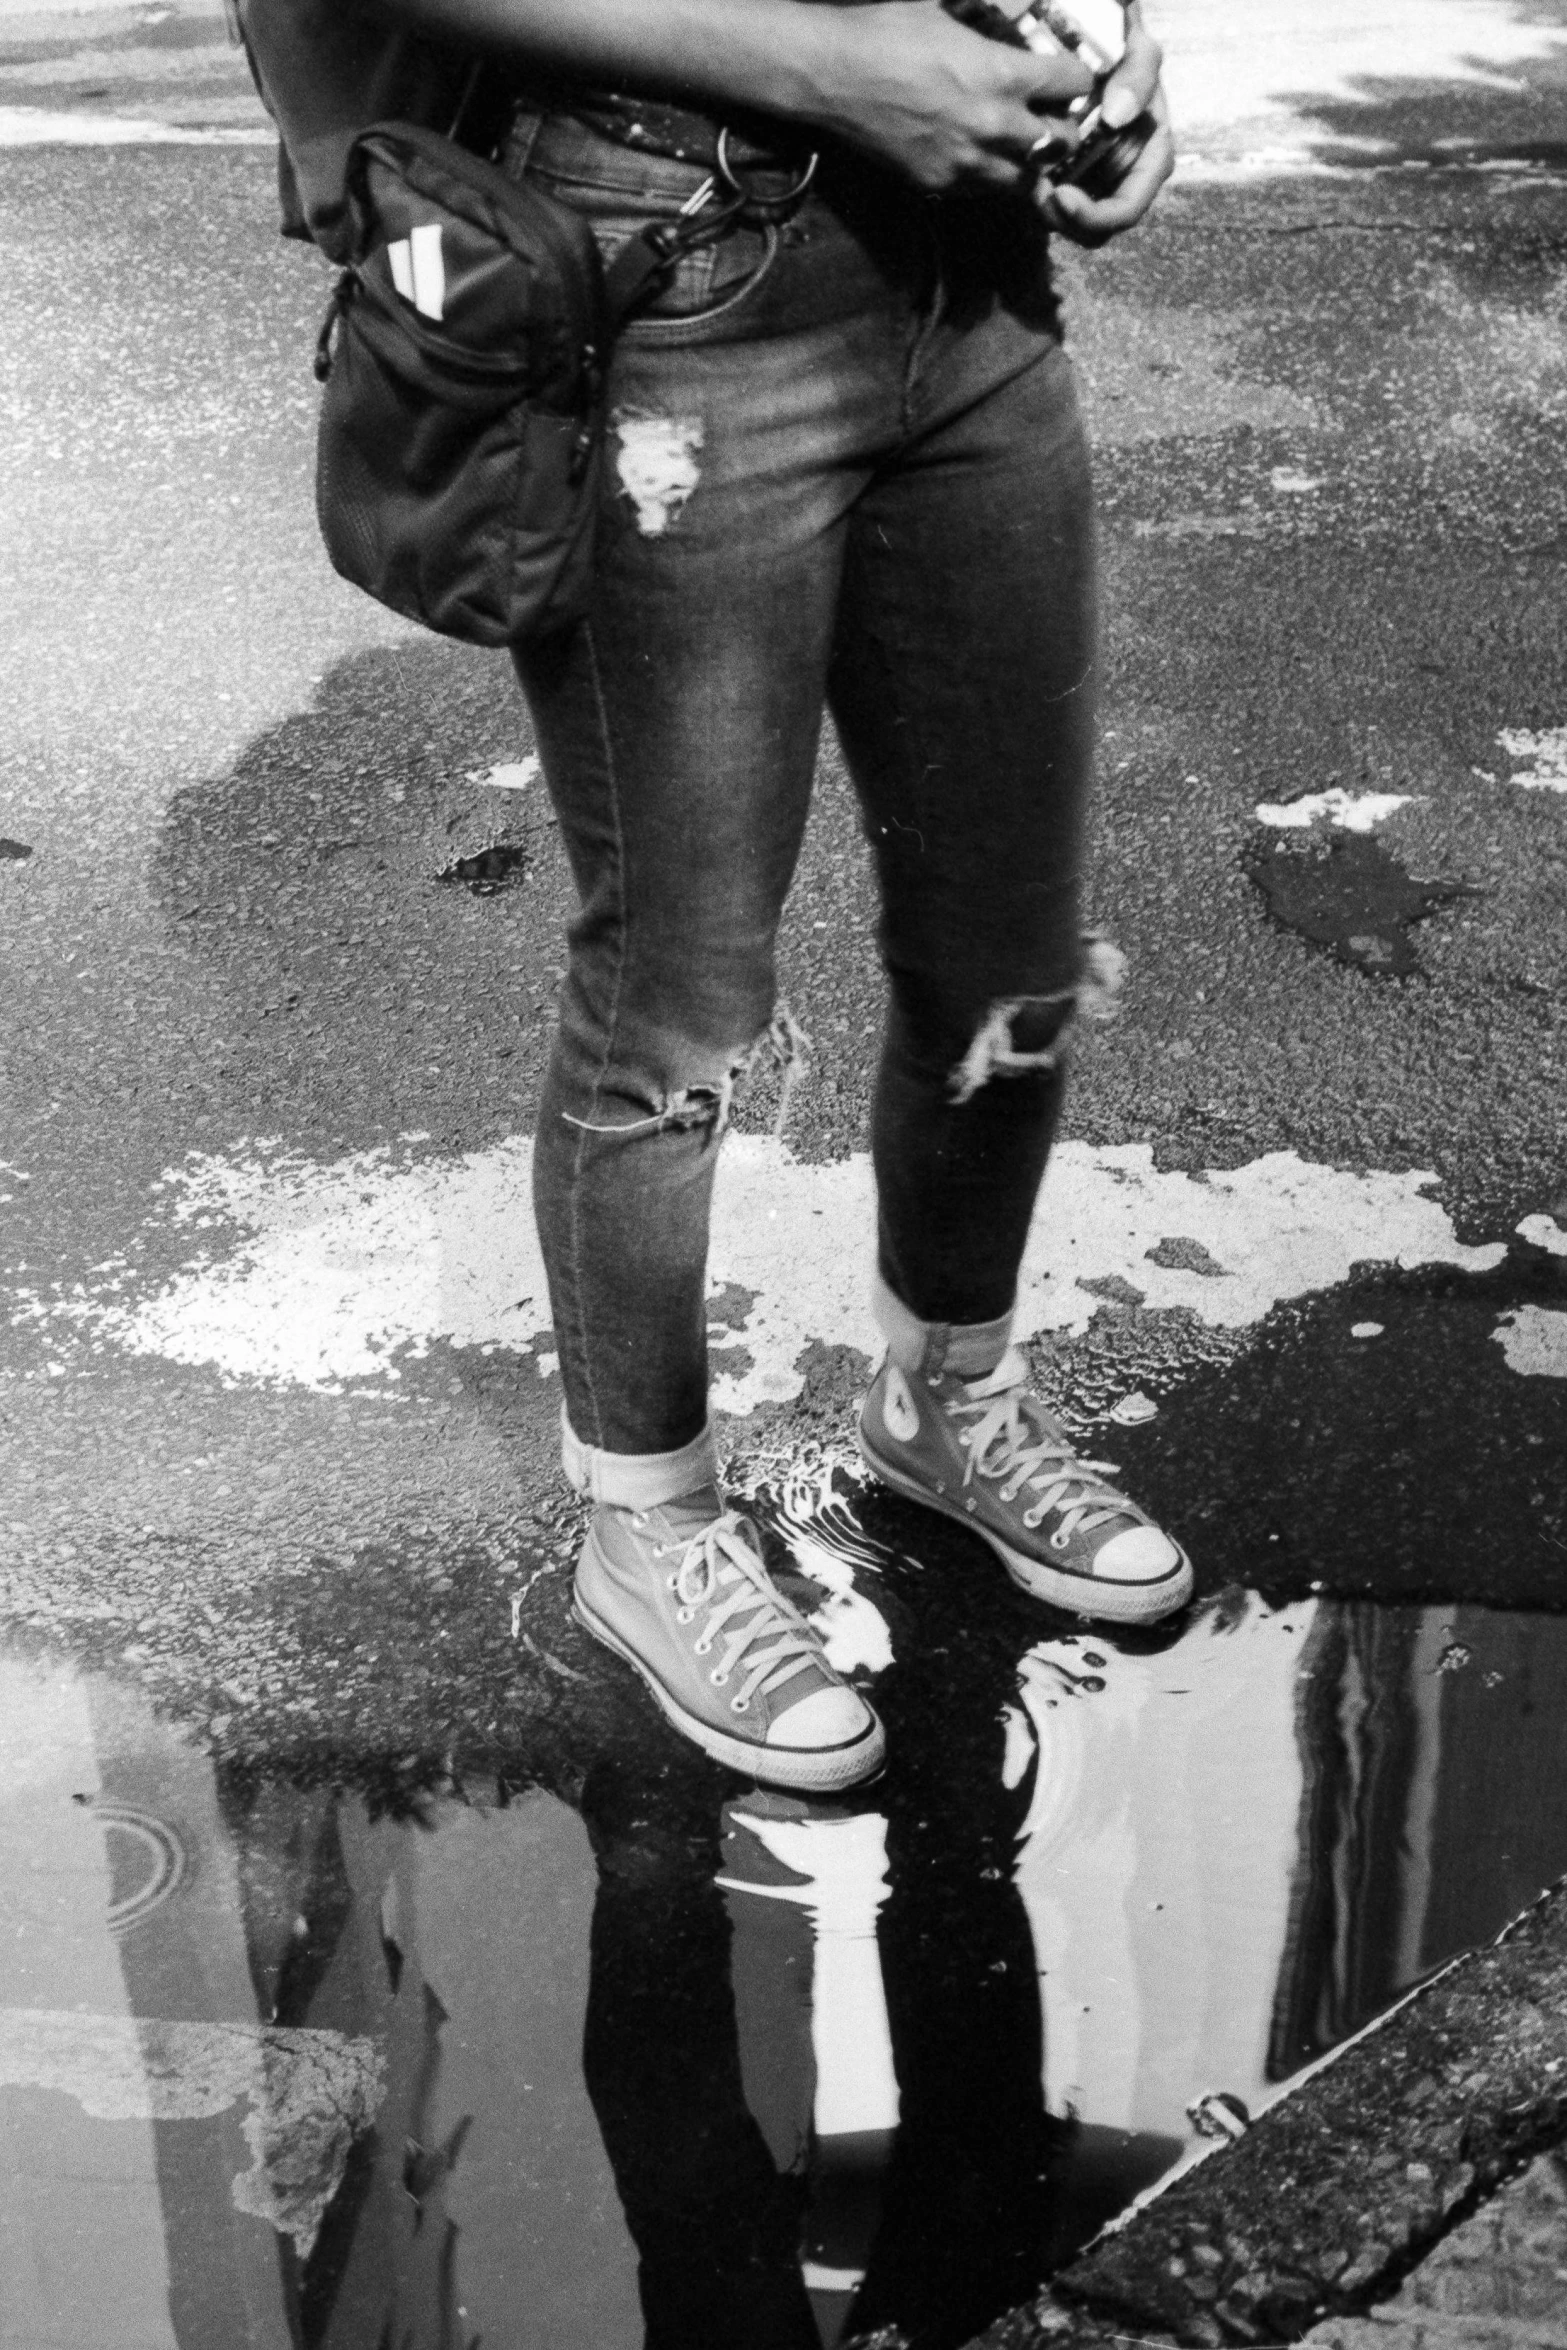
(703, 285)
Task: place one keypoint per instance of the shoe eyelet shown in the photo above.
(683, 1615)
(1059, 1541)
(701, 1647)
(718, 1678)
(671, 1582)
(739, 1705)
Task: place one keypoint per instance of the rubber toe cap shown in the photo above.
(1141, 1555)
(828, 1717)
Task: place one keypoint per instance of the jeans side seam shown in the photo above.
(611, 1030)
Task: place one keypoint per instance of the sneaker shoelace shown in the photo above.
(720, 1572)
(1005, 1444)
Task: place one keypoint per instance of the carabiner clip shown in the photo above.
(760, 210)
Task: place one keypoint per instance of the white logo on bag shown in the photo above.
(899, 1409)
(418, 271)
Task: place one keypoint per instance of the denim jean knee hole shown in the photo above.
(1020, 1035)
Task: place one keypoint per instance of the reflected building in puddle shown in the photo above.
(671, 2063)
(1434, 1751)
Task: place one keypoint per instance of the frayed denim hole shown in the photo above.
(1019, 1036)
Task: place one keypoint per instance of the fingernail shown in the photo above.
(1120, 105)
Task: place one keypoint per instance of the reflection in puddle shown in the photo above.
(1156, 1858)
(677, 2063)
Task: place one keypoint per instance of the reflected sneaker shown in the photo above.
(986, 1452)
(682, 1594)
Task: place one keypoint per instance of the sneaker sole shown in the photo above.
(809, 1770)
(1080, 1595)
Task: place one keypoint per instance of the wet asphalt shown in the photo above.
(1328, 413)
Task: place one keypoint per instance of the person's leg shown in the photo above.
(678, 728)
(963, 684)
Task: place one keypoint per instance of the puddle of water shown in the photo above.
(280, 2065)
(1352, 897)
(503, 865)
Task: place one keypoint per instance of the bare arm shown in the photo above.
(899, 80)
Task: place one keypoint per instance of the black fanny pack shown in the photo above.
(461, 422)
(463, 358)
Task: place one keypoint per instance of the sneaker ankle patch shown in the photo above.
(898, 1408)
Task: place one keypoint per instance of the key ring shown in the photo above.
(762, 210)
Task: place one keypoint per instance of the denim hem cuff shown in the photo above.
(967, 1350)
(636, 1480)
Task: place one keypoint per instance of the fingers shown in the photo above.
(1130, 89)
(988, 168)
(1043, 81)
(1019, 129)
(1093, 221)
(1021, 112)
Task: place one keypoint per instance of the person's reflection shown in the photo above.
(957, 2228)
(717, 2227)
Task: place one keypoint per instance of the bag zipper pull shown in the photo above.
(586, 434)
(342, 295)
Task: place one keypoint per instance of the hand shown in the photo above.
(908, 84)
(1131, 90)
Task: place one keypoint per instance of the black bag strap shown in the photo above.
(648, 257)
(655, 250)
(485, 106)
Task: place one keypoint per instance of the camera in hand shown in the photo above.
(1094, 32)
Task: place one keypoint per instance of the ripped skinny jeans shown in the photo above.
(847, 472)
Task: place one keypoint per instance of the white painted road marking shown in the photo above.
(337, 1272)
(511, 775)
(1547, 748)
(1534, 1341)
(1345, 811)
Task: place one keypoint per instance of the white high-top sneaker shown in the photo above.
(986, 1452)
(682, 1594)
